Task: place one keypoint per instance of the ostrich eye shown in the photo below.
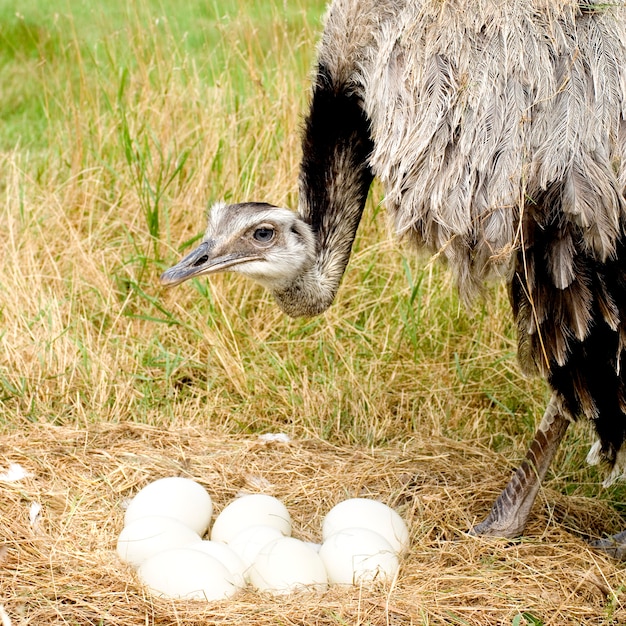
(264, 234)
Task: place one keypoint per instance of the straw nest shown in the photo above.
(61, 568)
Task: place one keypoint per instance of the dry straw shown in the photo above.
(62, 568)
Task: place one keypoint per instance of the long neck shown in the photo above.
(334, 181)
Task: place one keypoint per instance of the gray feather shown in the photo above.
(476, 106)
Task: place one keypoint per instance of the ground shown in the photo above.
(63, 569)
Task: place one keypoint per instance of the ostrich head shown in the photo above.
(269, 244)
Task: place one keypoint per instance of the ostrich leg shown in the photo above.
(511, 509)
(614, 546)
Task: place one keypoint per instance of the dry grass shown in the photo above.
(107, 381)
(65, 571)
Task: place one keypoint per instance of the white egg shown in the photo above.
(177, 497)
(365, 513)
(358, 555)
(187, 573)
(251, 510)
(247, 543)
(288, 564)
(147, 536)
(225, 555)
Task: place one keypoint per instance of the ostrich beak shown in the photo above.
(205, 259)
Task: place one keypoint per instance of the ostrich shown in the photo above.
(498, 130)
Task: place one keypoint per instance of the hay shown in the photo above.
(62, 568)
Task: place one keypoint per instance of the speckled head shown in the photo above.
(270, 244)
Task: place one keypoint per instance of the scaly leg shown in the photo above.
(511, 509)
(614, 546)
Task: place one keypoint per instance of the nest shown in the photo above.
(59, 566)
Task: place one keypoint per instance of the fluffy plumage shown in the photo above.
(477, 108)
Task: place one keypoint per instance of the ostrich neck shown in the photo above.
(334, 181)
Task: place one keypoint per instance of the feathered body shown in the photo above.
(498, 130)
(477, 109)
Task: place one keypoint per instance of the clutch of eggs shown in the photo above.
(251, 543)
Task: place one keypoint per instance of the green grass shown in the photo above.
(48, 49)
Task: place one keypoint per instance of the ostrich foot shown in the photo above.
(614, 546)
(510, 511)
